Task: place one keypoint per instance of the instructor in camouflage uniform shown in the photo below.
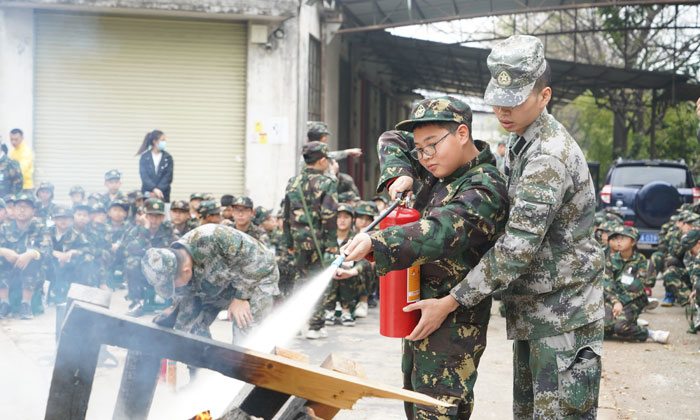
(548, 263)
(463, 203)
(210, 269)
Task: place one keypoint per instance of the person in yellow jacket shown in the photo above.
(22, 154)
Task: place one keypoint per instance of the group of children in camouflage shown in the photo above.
(629, 276)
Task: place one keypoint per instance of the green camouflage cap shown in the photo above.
(159, 266)
(624, 230)
(440, 109)
(82, 205)
(347, 208)
(154, 206)
(685, 206)
(207, 208)
(261, 213)
(23, 196)
(316, 127)
(121, 203)
(314, 150)
(76, 189)
(95, 196)
(62, 212)
(2, 204)
(366, 208)
(180, 205)
(515, 64)
(45, 186)
(9, 199)
(112, 174)
(348, 197)
(133, 194)
(691, 217)
(608, 225)
(97, 208)
(208, 197)
(243, 201)
(614, 214)
(196, 196)
(690, 239)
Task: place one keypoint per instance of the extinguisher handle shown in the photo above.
(385, 213)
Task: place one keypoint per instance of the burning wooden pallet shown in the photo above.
(281, 385)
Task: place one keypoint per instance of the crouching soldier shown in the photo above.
(210, 269)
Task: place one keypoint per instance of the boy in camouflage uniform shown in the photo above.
(72, 255)
(157, 233)
(318, 131)
(675, 275)
(625, 297)
(285, 259)
(97, 234)
(365, 212)
(348, 278)
(113, 181)
(180, 217)
(210, 269)
(209, 212)
(117, 230)
(45, 206)
(10, 174)
(463, 203)
(76, 194)
(548, 263)
(25, 248)
(195, 200)
(243, 216)
(310, 205)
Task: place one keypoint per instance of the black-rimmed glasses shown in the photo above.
(428, 151)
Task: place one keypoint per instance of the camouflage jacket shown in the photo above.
(10, 176)
(334, 155)
(43, 214)
(548, 263)
(694, 271)
(97, 235)
(73, 240)
(347, 190)
(189, 225)
(321, 198)
(117, 235)
(462, 215)
(225, 258)
(258, 233)
(105, 200)
(34, 236)
(663, 236)
(625, 279)
(139, 239)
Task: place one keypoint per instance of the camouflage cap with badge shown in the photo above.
(317, 127)
(23, 196)
(314, 151)
(196, 196)
(76, 189)
(119, 203)
(624, 230)
(366, 208)
(180, 205)
(45, 185)
(440, 109)
(62, 212)
(243, 201)
(515, 65)
(159, 266)
(347, 208)
(207, 208)
(154, 206)
(112, 174)
(97, 208)
(81, 205)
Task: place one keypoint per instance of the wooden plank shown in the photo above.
(73, 374)
(269, 371)
(138, 385)
(95, 295)
(291, 354)
(341, 364)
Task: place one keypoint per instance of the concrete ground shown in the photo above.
(640, 380)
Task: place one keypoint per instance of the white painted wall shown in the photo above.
(16, 72)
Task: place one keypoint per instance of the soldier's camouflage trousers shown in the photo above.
(261, 305)
(285, 263)
(308, 265)
(196, 314)
(677, 282)
(558, 377)
(654, 267)
(625, 325)
(444, 366)
(345, 292)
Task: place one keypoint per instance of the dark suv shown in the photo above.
(647, 192)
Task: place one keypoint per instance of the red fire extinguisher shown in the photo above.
(399, 288)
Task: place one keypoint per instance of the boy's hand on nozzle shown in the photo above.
(356, 250)
(403, 183)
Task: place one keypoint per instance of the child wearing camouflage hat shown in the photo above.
(463, 202)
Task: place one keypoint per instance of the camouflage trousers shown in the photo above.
(625, 325)
(443, 366)
(558, 377)
(654, 267)
(308, 264)
(261, 305)
(31, 278)
(345, 291)
(285, 263)
(196, 314)
(136, 284)
(677, 282)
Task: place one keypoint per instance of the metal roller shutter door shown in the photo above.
(102, 82)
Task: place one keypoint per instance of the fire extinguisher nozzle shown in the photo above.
(339, 260)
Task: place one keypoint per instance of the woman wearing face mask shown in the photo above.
(155, 166)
